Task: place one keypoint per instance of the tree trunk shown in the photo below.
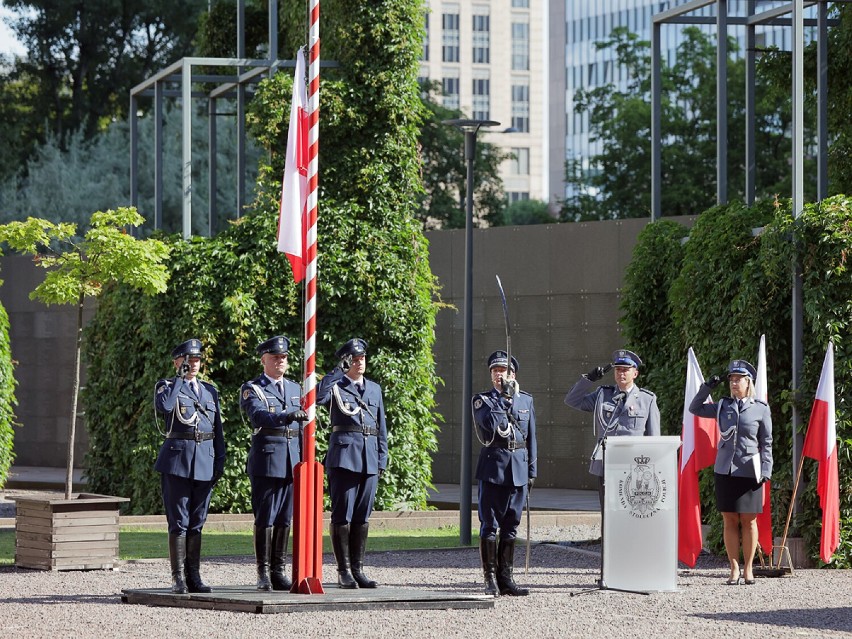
(75, 391)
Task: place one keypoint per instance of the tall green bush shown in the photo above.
(731, 286)
(234, 290)
(7, 399)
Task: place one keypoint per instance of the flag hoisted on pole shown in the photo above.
(764, 519)
(308, 480)
(700, 437)
(821, 444)
(293, 213)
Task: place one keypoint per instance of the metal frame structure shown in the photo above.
(768, 17)
(177, 81)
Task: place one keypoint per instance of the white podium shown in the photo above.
(640, 514)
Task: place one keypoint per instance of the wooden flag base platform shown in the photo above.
(249, 599)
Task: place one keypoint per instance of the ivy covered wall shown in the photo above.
(718, 293)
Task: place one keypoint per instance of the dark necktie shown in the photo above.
(279, 386)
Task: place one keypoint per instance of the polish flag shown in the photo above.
(764, 519)
(700, 436)
(293, 213)
(821, 444)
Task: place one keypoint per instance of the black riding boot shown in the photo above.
(262, 547)
(505, 565)
(280, 537)
(177, 558)
(358, 546)
(340, 544)
(488, 554)
(193, 565)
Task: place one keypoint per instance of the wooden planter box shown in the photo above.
(54, 533)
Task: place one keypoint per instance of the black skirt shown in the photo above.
(738, 494)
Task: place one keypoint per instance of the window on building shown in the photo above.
(424, 55)
(521, 107)
(520, 46)
(450, 88)
(481, 39)
(450, 43)
(481, 99)
(520, 162)
(517, 196)
(520, 4)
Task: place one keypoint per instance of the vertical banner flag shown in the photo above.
(761, 391)
(700, 436)
(293, 215)
(821, 444)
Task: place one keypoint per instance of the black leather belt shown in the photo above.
(197, 436)
(509, 445)
(278, 432)
(366, 430)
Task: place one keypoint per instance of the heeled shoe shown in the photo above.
(735, 582)
(748, 582)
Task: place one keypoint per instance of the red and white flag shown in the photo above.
(821, 444)
(700, 437)
(764, 519)
(293, 214)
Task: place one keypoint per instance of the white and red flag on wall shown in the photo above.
(821, 444)
(700, 437)
(293, 214)
(761, 391)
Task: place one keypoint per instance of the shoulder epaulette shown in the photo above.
(645, 390)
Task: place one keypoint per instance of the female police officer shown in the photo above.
(357, 455)
(191, 461)
(743, 461)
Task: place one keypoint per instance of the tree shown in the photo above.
(79, 268)
(527, 212)
(616, 182)
(84, 57)
(445, 172)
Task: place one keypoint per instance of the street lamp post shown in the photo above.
(470, 128)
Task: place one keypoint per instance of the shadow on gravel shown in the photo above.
(65, 599)
(837, 619)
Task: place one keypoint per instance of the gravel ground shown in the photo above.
(563, 602)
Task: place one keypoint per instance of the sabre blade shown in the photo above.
(508, 324)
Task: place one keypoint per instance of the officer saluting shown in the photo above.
(273, 406)
(504, 420)
(191, 461)
(357, 455)
(623, 409)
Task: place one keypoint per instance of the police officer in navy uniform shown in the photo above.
(743, 461)
(191, 461)
(357, 456)
(504, 420)
(622, 409)
(273, 406)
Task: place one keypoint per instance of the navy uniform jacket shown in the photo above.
(635, 414)
(272, 454)
(743, 434)
(498, 464)
(185, 412)
(353, 450)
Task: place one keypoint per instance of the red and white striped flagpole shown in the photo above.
(307, 542)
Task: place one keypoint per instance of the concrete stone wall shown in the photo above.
(563, 284)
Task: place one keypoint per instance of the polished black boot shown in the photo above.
(358, 546)
(280, 537)
(505, 566)
(193, 565)
(340, 544)
(177, 559)
(488, 554)
(262, 548)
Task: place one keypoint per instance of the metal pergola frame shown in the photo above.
(769, 17)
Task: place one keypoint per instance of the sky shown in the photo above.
(8, 43)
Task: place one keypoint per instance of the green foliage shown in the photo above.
(80, 268)
(525, 212)
(723, 289)
(614, 183)
(7, 399)
(234, 290)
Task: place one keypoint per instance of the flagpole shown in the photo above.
(307, 542)
(790, 511)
